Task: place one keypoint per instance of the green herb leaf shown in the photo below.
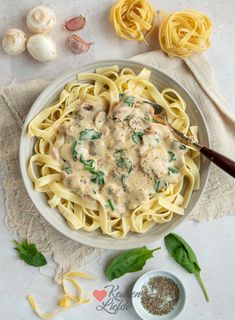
(30, 254)
(67, 168)
(123, 177)
(137, 137)
(89, 165)
(172, 170)
(172, 156)
(157, 185)
(157, 139)
(111, 204)
(98, 177)
(129, 261)
(122, 161)
(129, 101)
(182, 146)
(90, 134)
(166, 184)
(121, 95)
(181, 251)
(74, 149)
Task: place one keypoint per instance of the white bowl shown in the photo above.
(136, 297)
(96, 238)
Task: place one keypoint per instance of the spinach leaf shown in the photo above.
(111, 204)
(157, 185)
(157, 139)
(160, 185)
(89, 165)
(122, 161)
(166, 184)
(30, 254)
(74, 149)
(121, 95)
(137, 137)
(67, 167)
(98, 177)
(172, 170)
(90, 134)
(172, 156)
(182, 146)
(129, 261)
(181, 251)
(129, 101)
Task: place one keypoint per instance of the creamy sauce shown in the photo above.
(121, 158)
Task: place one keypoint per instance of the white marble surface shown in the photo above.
(213, 241)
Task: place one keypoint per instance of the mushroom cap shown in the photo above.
(42, 47)
(41, 19)
(14, 42)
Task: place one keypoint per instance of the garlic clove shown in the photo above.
(14, 42)
(42, 47)
(41, 19)
(76, 23)
(77, 44)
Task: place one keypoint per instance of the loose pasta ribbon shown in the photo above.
(133, 19)
(185, 32)
(68, 299)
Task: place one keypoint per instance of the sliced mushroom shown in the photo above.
(136, 123)
(122, 113)
(100, 119)
(147, 108)
(155, 161)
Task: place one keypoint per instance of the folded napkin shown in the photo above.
(21, 216)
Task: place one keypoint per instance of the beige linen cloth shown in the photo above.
(22, 218)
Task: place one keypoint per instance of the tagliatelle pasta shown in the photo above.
(68, 299)
(106, 161)
(133, 20)
(185, 32)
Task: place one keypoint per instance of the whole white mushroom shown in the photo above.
(42, 47)
(41, 19)
(14, 42)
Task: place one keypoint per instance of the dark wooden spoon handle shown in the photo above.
(221, 161)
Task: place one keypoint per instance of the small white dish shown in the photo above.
(136, 298)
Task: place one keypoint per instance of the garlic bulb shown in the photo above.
(77, 44)
(14, 42)
(42, 47)
(76, 23)
(41, 19)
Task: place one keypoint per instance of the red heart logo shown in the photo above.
(99, 294)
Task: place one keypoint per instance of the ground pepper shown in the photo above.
(160, 295)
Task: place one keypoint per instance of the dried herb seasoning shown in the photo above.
(160, 295)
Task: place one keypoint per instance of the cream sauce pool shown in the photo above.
(121, 158)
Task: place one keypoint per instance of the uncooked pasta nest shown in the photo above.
(133, 20)
(185, 32)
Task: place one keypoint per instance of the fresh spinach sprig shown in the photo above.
(137, 137)
(122, 161)
(30, 254)
(74, 149)
(181, 251)
(129, 261)
(90, 134)
(89, 165)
